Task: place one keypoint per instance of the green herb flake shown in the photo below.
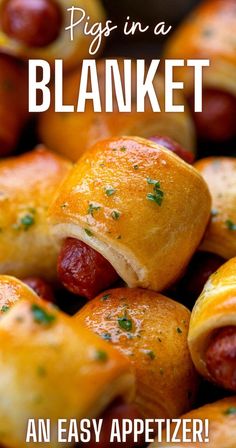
(105, 297)
(115, 215)
(123, 148)
(41, 371)
(207, 32)
(106, 336)
(101, 356)
(179, 330)
(155, 198)
(5, 308)
(230, 224)
(151, 354)
(157, 195)
(41, 316)
(93, 208)
(27, 221)
(125, 323)
(136, 167)
(230, 411)
(88, 232)
(156, 183)
(110, 191)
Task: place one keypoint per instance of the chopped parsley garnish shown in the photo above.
(125, 323)
(93, 208)
(230, 411)
(153, 182)
(5, 308)
(158, 198)
(136, 167)
(123, 148)
(105, 297)
(179, 330)
(41, 371)
(115, 215)
(41, 316)
(151, 354)
(230, 224)
(88, 232)
(207, 32)
(110, 191)
(157, 195)
(106, 336)
(27, 221)
(101, 355)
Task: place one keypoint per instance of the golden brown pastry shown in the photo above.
(36, 29)
(27, 186)
(222, 426)
(13, 102)
(71, 134)
(151, 331)
(220, 176)
(11, 291)
(135, 204)
(51, 367)
(209, 33)
(212, 332)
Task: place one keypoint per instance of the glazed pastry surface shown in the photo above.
(27, 185)
(149, 209)
(220, 176)
(151, 331)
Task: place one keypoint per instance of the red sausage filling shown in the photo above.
(41, 287)
(173, 146)
(35, 23)
(217, 120)
(83, 271)
(120, 411)
(221, 358)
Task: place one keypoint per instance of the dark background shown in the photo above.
(148, 12)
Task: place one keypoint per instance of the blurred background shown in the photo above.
(148, 12)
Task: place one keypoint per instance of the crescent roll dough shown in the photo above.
(151, 331)
(214, 309)
(222, 426)
(71, 51)
(152, 209)
(220, 175)
(60, 131)
(27, 185)
(208, 33)
(51, 367)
